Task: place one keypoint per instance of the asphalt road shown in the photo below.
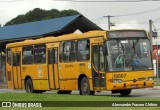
(149, 92)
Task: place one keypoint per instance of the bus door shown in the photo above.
(98, 66)
(17, 70)
(53, 68)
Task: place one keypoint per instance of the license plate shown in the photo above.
(133, 86)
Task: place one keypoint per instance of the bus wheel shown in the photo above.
(64, 92)
(125, 92)
(92, 92)
(29, 86)
(68, 92)
(84, 88)
(39, 91)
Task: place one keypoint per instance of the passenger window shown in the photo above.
(27, 55)
(95, 56)
(50, 56)
(55, 56)
(9, 56)
(98, 58)
(102, 67)
(39, 54)
(61, 52)
(69, 51)
(16, 59)
(83, 48)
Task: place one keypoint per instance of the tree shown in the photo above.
(38, 14)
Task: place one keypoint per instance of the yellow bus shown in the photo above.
(114, 60)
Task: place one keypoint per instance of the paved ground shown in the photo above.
(149, 92)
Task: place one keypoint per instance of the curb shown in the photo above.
(3, 85)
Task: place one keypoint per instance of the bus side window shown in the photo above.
(16, 59)
(50, 56)
(83, 50)
(69, 51)
(101, 56)
(9, 56)
(27, 53)
(61, 52)
(39, 54)
(95, 56)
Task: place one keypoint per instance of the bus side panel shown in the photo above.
(38, 74)
(88, 72)
(68, 74)
(41, 84)
(23, 83)
(9, 76)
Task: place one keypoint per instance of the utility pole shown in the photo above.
(109, 22)
(150, 30)
(151, 36)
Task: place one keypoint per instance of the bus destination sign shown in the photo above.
(126, 34)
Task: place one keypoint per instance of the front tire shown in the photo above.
(125, 92)
(84, 87)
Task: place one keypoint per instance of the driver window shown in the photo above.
(95, 56)
(102, 67)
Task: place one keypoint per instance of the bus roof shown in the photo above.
(51, 39)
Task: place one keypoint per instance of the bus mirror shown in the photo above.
(104, 49)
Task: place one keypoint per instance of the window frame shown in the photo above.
(50, 56)
(32, 54)
(34, 58)
(61, 55)
(16, 59)
(83, 50)
(9, 58)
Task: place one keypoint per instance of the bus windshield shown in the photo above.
(128, 55)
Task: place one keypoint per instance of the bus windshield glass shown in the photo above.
(128, 55)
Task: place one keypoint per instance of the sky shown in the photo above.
(126, 14)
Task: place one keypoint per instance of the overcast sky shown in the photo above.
(143, 11)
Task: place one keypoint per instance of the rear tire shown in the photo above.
(125, 92)
(92, 92)
(29, 86)
(39, 91)
(85, 88)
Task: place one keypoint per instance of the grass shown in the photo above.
(56, 97)
(157, 84)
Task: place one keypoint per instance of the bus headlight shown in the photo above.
(150, 79)
(116, 81)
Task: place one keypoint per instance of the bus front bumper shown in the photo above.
(130, 85)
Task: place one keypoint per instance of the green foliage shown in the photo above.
(38, 14)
